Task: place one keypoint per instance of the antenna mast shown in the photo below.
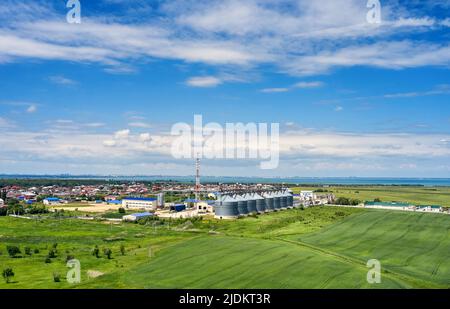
(197, 178)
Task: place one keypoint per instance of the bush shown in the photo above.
(13, 251)
(27, 250)
(69, 257)
(7, 274)
(107, 252)
(51, 254)
(122, 249)
(56, 277)
(121, 210)
(3, 211)
(377, 200)
(96, 252)
(47, 260)
(36, 251)
(37, 210)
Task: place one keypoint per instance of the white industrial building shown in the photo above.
(2, 202)
(139, 203)
(137, 216)
(307, 195)
(52, 201)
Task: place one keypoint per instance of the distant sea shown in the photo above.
(288, 180)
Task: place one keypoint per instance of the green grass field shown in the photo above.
(409, 194)
(320, 247)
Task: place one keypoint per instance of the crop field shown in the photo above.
(319, 247)
(409, 194)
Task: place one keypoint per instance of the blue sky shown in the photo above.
(351, 98)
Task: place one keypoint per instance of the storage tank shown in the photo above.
(276, 200)
(251, 203)
(269, 202)
(226, 208)
(283, 200)
(260, 203)
(290, 197)
(242, 205)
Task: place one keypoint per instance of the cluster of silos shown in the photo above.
(233, 206)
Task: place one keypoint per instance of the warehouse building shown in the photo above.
(139, 203)
(52, 201)
(137, 216)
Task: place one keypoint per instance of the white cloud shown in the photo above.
(145, 137)
(61, 80)
(95, 124)
(122, 134)
(446, 22)
(32, 108)
(5, 123)
(203, 81)
(274, 90)
(139, 124)
(338, 109)
(109, 143)
(301, 150)
(303, 85)
(297, 37)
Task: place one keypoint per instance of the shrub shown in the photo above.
(3, 211)
(56, 277)
(377, 200)
(96, 252)
(51, 254)
(47, 260)
(7, 274)
(69, 257)
(27, 250)
(121, 210)
(13, 251)
(36, 251)
(122, 249)
(107, 252)
(339, 213)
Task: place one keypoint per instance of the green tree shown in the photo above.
(13, 251)
(7, 274)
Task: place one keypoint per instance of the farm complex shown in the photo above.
(150, 235)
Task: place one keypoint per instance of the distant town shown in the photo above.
(135, 200)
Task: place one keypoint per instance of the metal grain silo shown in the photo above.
(226, 208)
(260, 203)
(276, 201)
(251, 203)
(269, 201)
(283, 200)
(242, 205)
(290, 201)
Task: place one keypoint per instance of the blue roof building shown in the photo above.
(148, 199)
(52, 199)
